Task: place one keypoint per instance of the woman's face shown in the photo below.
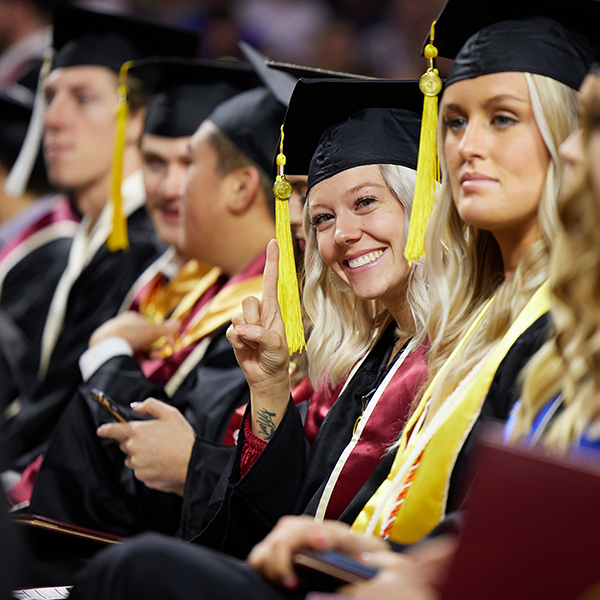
(496, 156)
(359, 227)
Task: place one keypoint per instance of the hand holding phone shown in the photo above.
(109, 405)
(329, 569)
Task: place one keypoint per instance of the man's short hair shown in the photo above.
(230, 158)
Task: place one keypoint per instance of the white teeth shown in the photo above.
(365, 259)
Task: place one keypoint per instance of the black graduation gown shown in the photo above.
(246, 512)
(250, 507)
(27, 287)
(83, 480)
(157, 567)
(95, 297)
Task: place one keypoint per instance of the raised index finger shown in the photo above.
(271, 272)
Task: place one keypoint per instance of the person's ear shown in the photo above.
(135, 126)
(244, 185)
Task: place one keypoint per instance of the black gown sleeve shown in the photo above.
(83, 479)
(268, 491)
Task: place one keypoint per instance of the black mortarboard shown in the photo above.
(334, 125)
(84, 37)
(185, 91)
(535, 36)
(281, 78)
(251, 120)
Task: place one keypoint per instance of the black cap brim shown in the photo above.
(529, 36)
(185, 91)
(252, 120)
(84, 37)
(318, 104)
(460, 19)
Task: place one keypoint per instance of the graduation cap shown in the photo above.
(185, 91)
(281, 78)
(84, 37)
(535, 36)
(332, 125)
(301, 71)
(251, 120)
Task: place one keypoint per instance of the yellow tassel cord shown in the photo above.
(427, 166)
(287, 288)
(118, 240)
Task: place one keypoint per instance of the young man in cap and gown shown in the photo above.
(88, 283)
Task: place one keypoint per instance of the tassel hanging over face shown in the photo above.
(427, 166)
(287, 289)
(118, 240)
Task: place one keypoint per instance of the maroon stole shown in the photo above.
(385, 423)
(160, 370)
(61, 213)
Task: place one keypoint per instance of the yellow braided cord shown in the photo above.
(287, 289)
(118, 239)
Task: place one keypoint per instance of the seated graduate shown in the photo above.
(366, 307)
(228, 221)
(59, 295)
(559, 406)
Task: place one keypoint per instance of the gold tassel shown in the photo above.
(118, 240)
(427, 165)
(287, 288)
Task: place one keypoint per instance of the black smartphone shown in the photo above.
(329, 569)
(109, 405)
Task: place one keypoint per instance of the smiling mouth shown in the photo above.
(365, 259)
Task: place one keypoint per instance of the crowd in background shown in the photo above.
(380, 38)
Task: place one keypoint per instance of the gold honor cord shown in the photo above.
(118, 240)
(287, 288)
(427, 166)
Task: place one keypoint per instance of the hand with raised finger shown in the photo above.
(133, 327)
(257, 335)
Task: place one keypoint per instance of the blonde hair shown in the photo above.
(570, 361)
(466, 270)
(344, 327)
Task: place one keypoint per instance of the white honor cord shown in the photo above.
(335, 474)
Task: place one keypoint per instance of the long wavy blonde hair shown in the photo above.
(344, 327)
(570, 360)
(466, 270)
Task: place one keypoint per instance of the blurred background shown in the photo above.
(381, 38)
